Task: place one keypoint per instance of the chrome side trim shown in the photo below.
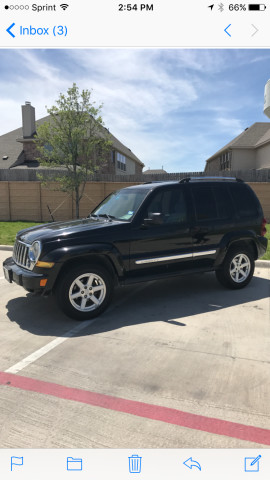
(163, 259)
(175, 257)
(208, 252)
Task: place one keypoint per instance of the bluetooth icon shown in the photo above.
(221, 7)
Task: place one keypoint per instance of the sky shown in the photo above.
(174, 108)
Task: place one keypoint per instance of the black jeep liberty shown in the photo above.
(141, 233)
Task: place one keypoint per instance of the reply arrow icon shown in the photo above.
(192, 463)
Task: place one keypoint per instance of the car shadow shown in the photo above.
(175, 301)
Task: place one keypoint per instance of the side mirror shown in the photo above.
(154, 219)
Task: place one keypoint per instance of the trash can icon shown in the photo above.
(135, 463)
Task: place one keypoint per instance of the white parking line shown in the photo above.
(42, 351)
(57, 341)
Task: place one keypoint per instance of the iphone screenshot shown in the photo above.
(134, 240)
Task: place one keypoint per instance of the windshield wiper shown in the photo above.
(94, 216)
(106, 215)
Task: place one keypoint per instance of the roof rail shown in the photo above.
(206, 179)
(153, 181)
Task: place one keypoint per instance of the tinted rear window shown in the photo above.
(244, 200)
(205, 204)
(223, 201)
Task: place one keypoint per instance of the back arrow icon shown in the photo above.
(9, 30)
(225, 30)
(192, 463)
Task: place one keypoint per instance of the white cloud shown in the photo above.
(230, 125)
(171, 107)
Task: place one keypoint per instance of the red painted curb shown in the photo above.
(140, 409)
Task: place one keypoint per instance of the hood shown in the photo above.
(63, 230)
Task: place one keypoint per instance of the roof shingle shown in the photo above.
(252, 137)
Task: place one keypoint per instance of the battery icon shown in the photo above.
(257, 6)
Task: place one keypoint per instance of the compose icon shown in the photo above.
(16, 461)
(252, 464)
(74, 463)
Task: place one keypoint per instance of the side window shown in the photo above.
(205, 204)
(244, 200)
(223, 201)
(171, 203)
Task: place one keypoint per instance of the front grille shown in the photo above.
(20, 254)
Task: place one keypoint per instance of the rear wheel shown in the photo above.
(85, 292)
(237, 269)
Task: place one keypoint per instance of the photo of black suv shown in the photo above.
(141, 233)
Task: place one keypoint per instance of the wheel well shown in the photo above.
(100, 260)
(248, 244)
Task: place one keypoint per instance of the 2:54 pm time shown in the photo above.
(136, 6)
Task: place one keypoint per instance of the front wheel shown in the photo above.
(85, 292)
(237, 269)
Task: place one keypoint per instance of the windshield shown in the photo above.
(121, 205)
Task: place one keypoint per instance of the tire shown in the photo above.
(85, 291)
(237, 269)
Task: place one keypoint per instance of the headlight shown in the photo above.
(34, 252)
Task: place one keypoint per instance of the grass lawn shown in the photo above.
(8, 232)
(267, 255)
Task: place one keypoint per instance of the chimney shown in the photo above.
(28, 120)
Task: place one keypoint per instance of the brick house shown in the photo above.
(18, 150)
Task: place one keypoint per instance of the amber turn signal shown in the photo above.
(44, 264)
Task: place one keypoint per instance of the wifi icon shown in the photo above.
(64, 6)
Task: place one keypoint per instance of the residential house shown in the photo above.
(18, 149)
(249, 150)
(154, 172)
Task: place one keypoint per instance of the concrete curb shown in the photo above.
(258, 263)
(262, 263)
(9, 248)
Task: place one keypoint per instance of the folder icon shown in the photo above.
(74, 463)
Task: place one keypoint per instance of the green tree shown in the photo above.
(74, 138)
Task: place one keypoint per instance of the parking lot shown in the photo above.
(175, 363)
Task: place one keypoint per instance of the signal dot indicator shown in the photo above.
(6, 7)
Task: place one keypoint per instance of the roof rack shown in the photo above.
(206, 179)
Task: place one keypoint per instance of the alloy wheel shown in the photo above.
(87, 292)
(239, 268)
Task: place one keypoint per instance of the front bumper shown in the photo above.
(25, 278)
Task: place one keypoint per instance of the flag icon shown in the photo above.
(16, 461)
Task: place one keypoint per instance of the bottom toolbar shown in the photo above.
(146, 464)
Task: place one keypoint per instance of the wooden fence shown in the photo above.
(30, 200)
(31, 175)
